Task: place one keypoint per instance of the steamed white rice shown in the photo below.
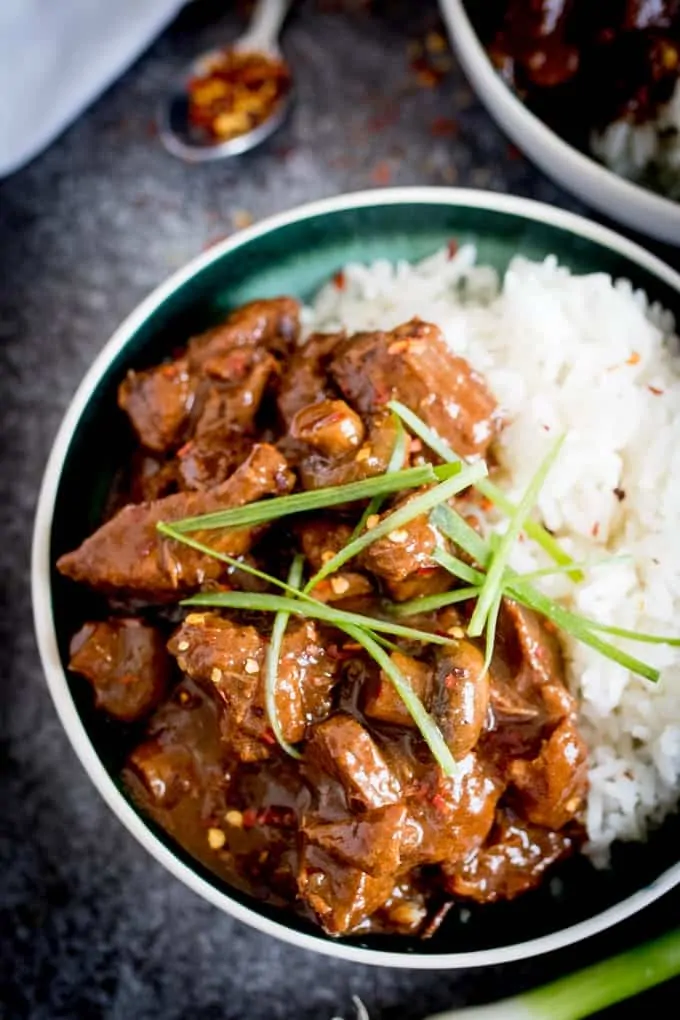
(588, 356)
(647, 153)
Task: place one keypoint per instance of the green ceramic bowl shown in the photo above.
(295, 253)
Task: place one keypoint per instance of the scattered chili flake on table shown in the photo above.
(237, 92)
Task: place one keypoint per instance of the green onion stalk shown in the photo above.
(587, 991)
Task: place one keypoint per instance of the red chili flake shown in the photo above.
(415, 446)
(546, 428)
(633, 359)
(212, 241)
(620, 494)
(657, 392)
(443, 127)
(383, 120)
(268, 737)
(452, 248)
(339, 280)
(450, 681)
(183, 450)
(595, 530)
(381, 173)
(440, 804)
(250, 818)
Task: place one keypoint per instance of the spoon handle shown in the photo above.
(265, 26)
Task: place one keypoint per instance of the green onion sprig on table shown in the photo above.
(587, 991)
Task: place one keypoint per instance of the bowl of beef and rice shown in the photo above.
(355, 577)
(591, 92)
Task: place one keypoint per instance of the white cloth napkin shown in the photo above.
(57, 56)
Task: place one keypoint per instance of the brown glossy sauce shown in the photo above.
(363, 833)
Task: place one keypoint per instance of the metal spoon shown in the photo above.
(176, 132)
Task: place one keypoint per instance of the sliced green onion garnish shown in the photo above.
(493, 583)
(631, 635)
(430, 603)
(577, 627)
(301, 502)
(459, 531)
(463, 571)
(422, 504)
(395, 463)
(309, 608)
(272, 661)
(421, 717)
(534, 529)
(491, 624)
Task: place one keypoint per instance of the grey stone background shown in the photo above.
(90, 926)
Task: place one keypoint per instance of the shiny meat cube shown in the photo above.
(318, 471)
(382, 702)
(552, 788)
(158, 402)
(341, 897)
(152, 478)
(167, 773)
(342, 747)
(403, 553)
(231, 394)
(216, 651)
(272, 324)
(321, 537)
(460, 696)
(514, 860)
(209, 459)
(538, 645)
(370, 842)
(413, 364)
(228, 658)
(306, 677)
(129, 554)
(427, 581)
(306, 378)
(329, 426)
(127, 664)
(450, 817)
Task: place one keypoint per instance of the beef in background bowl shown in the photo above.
(604, 76)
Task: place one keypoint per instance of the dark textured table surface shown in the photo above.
(90, 925)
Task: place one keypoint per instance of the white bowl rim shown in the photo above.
(42, 600)
(631, 204)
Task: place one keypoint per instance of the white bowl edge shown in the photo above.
(42, 603)
(623, 200)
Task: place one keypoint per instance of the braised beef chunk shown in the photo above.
(230, 395)
(553, 786)
(128, 553)
(211, 457)
(342, 747)
(460, 696)
(403, 558)
(514, 860)
(452, 816)
(126, 662)
(306, 379)
(272, 324)
(158, 403)
(370, 842)
(380, 699)
(413, 364)
(341, 897)
(302, 778)
(306, 676)
(318, 471)
(329, 426)
(229, 658)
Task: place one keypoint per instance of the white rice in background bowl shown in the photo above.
(589, 357)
